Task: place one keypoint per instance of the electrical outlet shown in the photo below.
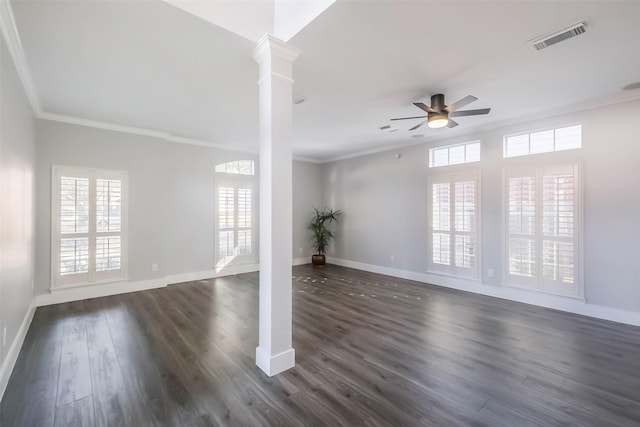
(299, 250)
(4, 337)
(154, 267)
(393, 258)
(490, 272)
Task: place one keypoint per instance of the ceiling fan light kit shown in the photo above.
(437, 120)
(438, 113)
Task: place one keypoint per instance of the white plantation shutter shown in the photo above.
(73, 238)
(108, 224)
(465, 224)
(522, 226)
(235, 217)
(441, 223)
(244, 221)
(542, 229)
(226, 221)
(559, 207)
(88, 240)
(454, 202)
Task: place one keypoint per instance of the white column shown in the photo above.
(275, 352)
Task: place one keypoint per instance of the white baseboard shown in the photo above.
(212, 274)
(85, 292)
(274, 364)
(226, 271)
(302, 260)
(107, 289)
(14, 350)
(557, 302)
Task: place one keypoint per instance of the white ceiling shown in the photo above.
(147, 64)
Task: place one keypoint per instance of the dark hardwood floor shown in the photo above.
(371, 350)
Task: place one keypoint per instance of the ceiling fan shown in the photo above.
(438, 113)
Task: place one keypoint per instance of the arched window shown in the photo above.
(236, 167)
(236, 219)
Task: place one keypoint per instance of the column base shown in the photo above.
(272, 365)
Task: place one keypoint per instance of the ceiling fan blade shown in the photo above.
(452, 123)
(424, 107)
(422, 123)
(407, 118)
(470, 112)
(459, 104)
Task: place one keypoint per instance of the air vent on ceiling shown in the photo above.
(388, 128)
(547, 40)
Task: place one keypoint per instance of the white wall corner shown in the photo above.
(14, 350)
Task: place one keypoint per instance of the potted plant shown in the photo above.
(321, 234)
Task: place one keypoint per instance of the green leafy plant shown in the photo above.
(321, 234)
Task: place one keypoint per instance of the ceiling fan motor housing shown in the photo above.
(437, 102)
(440, 117)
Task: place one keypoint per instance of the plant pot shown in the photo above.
(318, 259)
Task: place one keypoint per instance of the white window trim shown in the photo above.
(236, 181)
(57, 282)
(538, 286)
(449, 147)
(529, 132)
(451, 271)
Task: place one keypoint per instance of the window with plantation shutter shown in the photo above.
(88, 207)
(235, 216)
(454, 201)
(542, 240)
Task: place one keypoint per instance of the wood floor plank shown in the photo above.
(74, 382)
(371, 350)
(78, 413)
(105, 370)
(146, 381)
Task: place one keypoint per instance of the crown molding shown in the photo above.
(306, 160)
(152, 133)
(138, 131)
(12, 38)
(381, 149)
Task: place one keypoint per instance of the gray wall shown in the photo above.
(171, 195)
(16, 203)
(307, 192)
(385, 202)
